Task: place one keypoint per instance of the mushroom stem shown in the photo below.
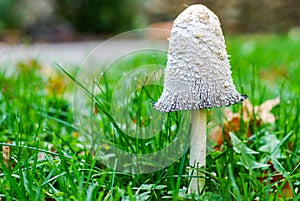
(197, 150)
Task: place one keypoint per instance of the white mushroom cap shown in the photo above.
(198, 72)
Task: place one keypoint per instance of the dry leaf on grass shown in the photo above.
(6, 154)
(264, 110)
(234, 121)
(286, 190)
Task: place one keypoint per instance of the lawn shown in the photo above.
(48, 153)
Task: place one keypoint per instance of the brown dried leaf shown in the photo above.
(233, 120)
(229, 114)
(232, 125)
(247, 110)
(6, 154)
(286, 191)
(215, 135)
(219, 135)
(264, 110)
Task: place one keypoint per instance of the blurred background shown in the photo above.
(72, 20)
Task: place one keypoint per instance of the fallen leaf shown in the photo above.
(264, 110)
(216, 135)
(6, 154)
(232, 126)
(220, 135)
(243, 119)
(277, 177)
(247, 110)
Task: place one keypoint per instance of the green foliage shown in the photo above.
(47, 160)
(8, 18)
(99, 16)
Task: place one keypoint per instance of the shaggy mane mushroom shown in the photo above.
(197, 77)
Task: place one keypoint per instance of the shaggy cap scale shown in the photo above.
(198, 72)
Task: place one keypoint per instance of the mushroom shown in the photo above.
(197, 77)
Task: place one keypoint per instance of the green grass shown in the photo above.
(48, 161)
